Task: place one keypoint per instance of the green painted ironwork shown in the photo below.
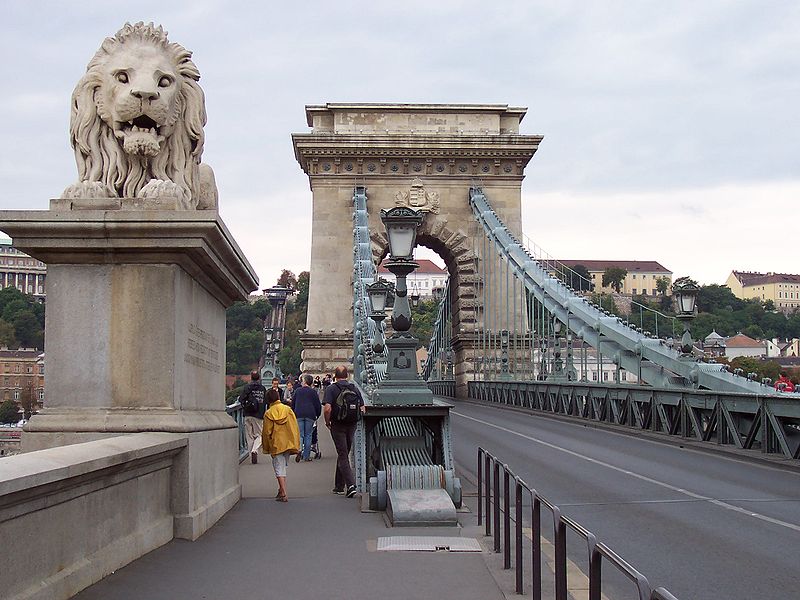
(768, 424)
(533, 323)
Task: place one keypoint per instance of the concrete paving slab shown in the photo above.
(316, 546)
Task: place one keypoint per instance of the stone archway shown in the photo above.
(423, 156)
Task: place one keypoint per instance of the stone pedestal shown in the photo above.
(403, 385)
(135, 336)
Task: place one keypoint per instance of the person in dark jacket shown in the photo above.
(307, 409)
(253, 401)
(342, 433)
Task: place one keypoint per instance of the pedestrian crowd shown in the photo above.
(283, 423)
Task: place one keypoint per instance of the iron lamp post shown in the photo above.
(273, 330)
(378, 293)
(504, 340)
(558, 364)
(685, 291)
(402, 385)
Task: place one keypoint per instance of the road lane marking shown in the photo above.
(639, 476)
(642, 438)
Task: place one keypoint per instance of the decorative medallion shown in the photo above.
(507, 168)
(417, 198)
(440, 168)
(485, 168)
(371, 167)
(326, 167)
(462, 168)
(348, 167)
(395, 168)
(417, 167)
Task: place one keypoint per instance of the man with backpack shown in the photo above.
(343, 406)
(253, 401)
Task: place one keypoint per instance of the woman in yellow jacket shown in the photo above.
(280, 437)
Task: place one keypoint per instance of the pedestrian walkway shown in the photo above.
(318, 546)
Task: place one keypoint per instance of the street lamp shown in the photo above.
(558, 364)
(504, 339)
(402, 385)
(685, 291)
(378, 293)
(401, 228)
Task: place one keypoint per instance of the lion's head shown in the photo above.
(138, 114)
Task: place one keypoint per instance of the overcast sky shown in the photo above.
(671, 128)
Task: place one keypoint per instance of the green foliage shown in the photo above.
(287, 279)
(7, 336)
(717, 297)
(245, 329)
(606, 301)
(582, 283)
(423, 316)
(764, 368)
(245, 316)
(28, 330)
(25, 317)
(232, 394)
(9, 413)
(613, 277)
(662, 285)
(243, 353)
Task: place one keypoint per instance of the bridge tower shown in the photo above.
(421, 155)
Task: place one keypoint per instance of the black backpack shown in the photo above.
(255, 396)
(346, 408)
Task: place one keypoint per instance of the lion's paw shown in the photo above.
(88, 190)
(159, 188)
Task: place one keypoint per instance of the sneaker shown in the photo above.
(254, 458)
(297, 458)
(351, 491)
(337, 492)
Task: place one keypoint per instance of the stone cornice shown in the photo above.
(386, 154)
(196, 240)
(500, 109)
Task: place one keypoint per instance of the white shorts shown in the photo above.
(279, 463)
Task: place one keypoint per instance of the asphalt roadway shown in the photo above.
(704, 525)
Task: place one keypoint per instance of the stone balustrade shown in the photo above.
(71, 515)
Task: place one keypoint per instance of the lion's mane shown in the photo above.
(101, 157)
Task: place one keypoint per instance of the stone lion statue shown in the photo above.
(137, 122)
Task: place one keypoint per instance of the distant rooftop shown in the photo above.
(425, 266)
(631, 266)
(748, 278)
(741, 340)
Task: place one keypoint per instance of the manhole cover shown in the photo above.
(423, 543)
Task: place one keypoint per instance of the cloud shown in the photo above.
(702, 232)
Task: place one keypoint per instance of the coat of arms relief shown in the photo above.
(417, 198)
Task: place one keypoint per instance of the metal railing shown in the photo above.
(369, 367)
(770, 424)
(491, 494)
(511, 271)
(236, 411)
(444, 387)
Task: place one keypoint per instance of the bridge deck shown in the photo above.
(317, 546)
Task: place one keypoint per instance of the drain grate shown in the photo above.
(421, 543)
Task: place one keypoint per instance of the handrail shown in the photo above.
(768, 424)
(236, 411)
(441, 334)
(632, 350)
(368, 366)
(490, 498)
